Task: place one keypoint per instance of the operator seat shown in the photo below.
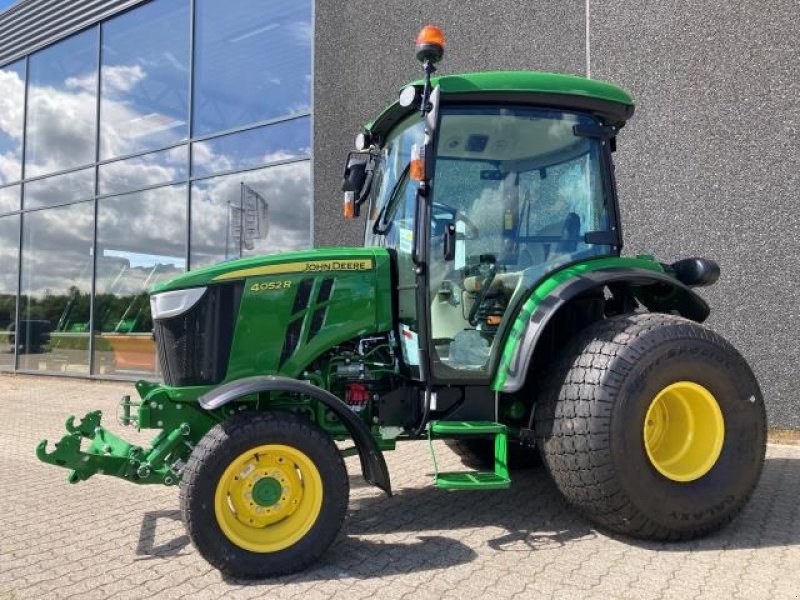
(570, 235)
(537, 253)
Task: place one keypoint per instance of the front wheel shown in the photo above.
(264, 494)
(653, 426)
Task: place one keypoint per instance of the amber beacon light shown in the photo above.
(430, 44)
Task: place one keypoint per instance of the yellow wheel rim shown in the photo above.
(684, 431)
(268, 498)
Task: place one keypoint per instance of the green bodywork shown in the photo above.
(545, 288)
(513, 84)
(358, 302)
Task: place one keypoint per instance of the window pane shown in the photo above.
(9, 199)
(60, 189)
(271, 205)
(12, 105)
(144, 171)
(56, 283)
(9, 253)
(282, 141)
(62, 105)
(141, 239)
(253, 62)
(144, 87)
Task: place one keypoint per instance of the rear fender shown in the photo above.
(656, 291)
(373, 464)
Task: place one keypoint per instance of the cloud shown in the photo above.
(121, 78)
(138, 230)
(301, 32)
(61, 129)
(144, 171)
(210, 161)
(12, 94)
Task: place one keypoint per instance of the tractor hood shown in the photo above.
(319, 260)
(268, 315)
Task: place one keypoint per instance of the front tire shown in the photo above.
(653, 426)
(264, 494)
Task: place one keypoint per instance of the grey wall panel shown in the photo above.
(710, 163)
(364, 53)
(32, 24)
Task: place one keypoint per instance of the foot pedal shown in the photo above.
(498, 479)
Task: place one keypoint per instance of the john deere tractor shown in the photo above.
(490, 306)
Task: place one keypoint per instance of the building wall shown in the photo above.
(709, 165)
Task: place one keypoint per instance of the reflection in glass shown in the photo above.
(144, 171)
(12, 105)
(271, 143)
(9, 253)
(59, 189)
(256, 212)
(145, 78)
(62, 105)
(56, 284)
(141, 240)
(9, 199)
(252, 62)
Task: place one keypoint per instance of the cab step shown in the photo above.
(462, 428)
(472, 480)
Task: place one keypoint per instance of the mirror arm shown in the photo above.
(429, 68)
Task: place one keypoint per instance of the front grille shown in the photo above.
(194, 347)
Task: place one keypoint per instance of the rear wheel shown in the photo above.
(653, 426)
(264, 494)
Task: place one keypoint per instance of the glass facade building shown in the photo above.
(170, 136)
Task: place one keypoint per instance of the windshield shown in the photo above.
(394, 158)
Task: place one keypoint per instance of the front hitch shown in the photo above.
(110, 455)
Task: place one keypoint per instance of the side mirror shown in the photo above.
(356, 182)
(355, 172)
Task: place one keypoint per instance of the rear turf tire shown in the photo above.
(303, 468)
(591, 420)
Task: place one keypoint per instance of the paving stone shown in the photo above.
(107, 538)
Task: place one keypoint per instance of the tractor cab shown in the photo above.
(481, 185)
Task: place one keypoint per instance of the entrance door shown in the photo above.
(523, 189)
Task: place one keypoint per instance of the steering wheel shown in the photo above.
(482, 293)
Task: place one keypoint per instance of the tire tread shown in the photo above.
(574, 413)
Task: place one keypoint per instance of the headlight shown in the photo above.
(172, 304)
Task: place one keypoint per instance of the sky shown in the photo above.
(4, 4)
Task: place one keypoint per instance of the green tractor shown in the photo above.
(490, 306)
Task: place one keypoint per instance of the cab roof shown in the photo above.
(554, 90)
